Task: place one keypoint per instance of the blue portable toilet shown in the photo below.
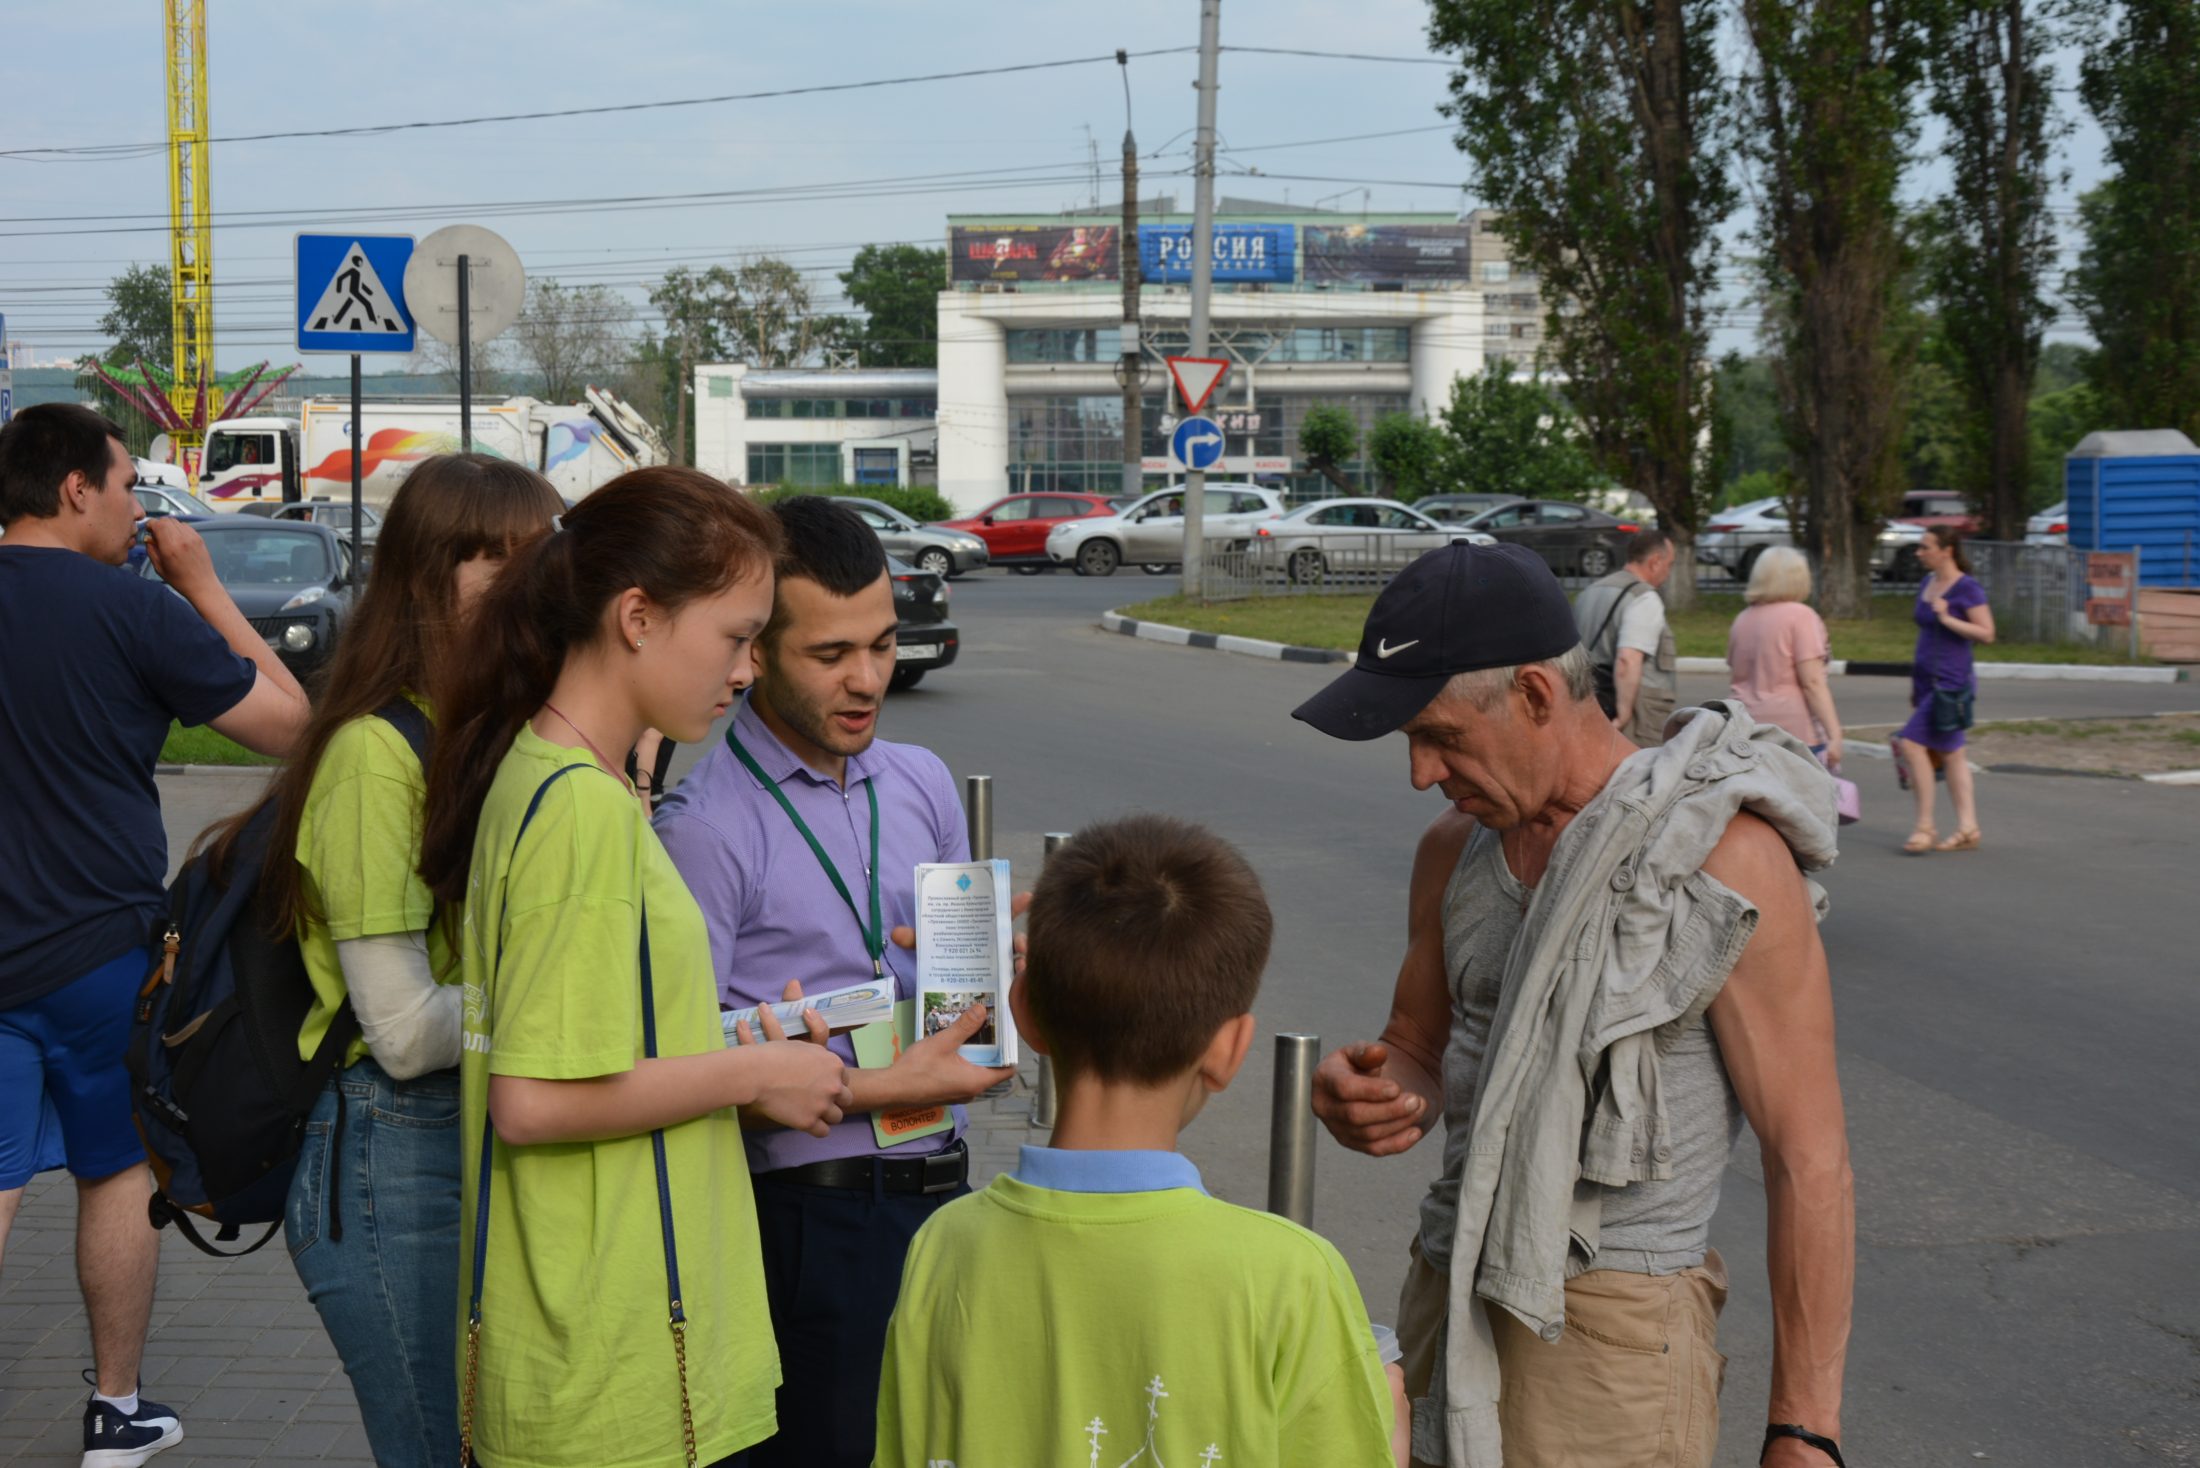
(2138, 491)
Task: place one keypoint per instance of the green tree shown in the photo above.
(138, 317)
(1990, 239)
(1512, 437)
(2137, 281)
(1597, 130)
(771, 320)
(1329, 439)
(897, 287)
(1828, 127)
(694, 305)
(1407, 451)
(2058, 420)
(1748, 416)
(573, 337)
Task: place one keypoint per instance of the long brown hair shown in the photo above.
(1950, 540)
(677, 534)
(399, 637)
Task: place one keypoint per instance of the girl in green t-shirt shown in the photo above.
(599, 1099)
(372, 1217)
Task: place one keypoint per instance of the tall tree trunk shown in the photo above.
(1830, 119)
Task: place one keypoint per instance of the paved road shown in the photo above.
(2016, 1023)
(2016, 1029)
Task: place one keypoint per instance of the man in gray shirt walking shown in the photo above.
(1621, 619)
(1612, 959)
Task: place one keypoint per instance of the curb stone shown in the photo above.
(1115, 621)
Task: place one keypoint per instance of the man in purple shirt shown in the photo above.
(799, 837)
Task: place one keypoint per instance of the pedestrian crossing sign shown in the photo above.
(351, 293)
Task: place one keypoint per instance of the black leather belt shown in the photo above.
(936, 1172)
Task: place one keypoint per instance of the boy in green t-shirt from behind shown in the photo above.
(1096, 1306)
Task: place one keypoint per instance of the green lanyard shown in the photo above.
(874, 937)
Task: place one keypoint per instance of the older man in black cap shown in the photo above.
(1612, 958)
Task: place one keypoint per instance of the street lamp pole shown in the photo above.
(1129, 371)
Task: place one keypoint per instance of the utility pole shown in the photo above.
(1129, 372)
(1203, 277)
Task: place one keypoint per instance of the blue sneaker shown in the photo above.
(112, 1440)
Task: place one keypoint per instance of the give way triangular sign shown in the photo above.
(355, 300)
(1197, 378)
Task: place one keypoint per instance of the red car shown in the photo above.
(1930, 507)
(1015, 529)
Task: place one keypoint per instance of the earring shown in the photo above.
(637, 644)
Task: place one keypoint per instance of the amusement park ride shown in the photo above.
(191, 395)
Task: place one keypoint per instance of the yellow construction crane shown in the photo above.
(196, 398)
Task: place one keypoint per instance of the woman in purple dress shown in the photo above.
(1951, 614)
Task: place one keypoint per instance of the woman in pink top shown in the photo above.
(1777, 652)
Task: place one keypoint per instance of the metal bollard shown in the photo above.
(978, 808)
(1042, 1094)
(1291, 1130)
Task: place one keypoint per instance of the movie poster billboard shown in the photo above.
(1387, 254)
(1032, 252)
(1243, 253)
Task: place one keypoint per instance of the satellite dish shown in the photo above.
(496, 284)
(162, 450)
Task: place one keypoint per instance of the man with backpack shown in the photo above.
(97, 663)
(1622, 623)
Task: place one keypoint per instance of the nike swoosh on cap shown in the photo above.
(1383, 649)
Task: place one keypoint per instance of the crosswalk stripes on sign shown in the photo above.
(356, 300)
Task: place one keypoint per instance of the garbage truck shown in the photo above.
(264, 460)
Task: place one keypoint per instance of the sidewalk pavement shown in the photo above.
(235, 1347)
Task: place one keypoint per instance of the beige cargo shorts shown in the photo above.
(1633, 1382)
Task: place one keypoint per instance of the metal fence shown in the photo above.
(2037, 591)
(1339, 565)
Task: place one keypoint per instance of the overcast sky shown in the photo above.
(838, 169)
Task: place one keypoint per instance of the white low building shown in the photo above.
(816, 427)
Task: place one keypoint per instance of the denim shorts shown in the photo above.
(64, 1094)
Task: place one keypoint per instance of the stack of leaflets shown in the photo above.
(842, 1009)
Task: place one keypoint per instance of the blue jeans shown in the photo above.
(386, 1282)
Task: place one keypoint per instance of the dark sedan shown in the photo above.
(924, 638)
(1573, 540)
(1457, 509)
(292, 580)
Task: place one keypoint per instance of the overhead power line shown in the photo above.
(93, 151)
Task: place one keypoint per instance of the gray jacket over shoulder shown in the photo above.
(1626, 935)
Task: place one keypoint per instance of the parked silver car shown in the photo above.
(1150, 531)
(2050, 526)
(1339, 537)
(942, 552)
(1736, 537)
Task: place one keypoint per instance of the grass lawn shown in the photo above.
(1334, 621)
(202, 746)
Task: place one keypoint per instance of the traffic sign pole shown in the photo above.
(465, 359)
(357, 514)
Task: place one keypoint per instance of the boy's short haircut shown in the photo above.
(1148, 934)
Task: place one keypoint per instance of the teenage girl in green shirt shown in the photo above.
(617, 1316)
(372, 1219)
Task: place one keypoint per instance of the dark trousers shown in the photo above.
(832, 1267)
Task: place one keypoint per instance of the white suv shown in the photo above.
(1150, 532)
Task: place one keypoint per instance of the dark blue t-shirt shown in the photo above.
(94, 663)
